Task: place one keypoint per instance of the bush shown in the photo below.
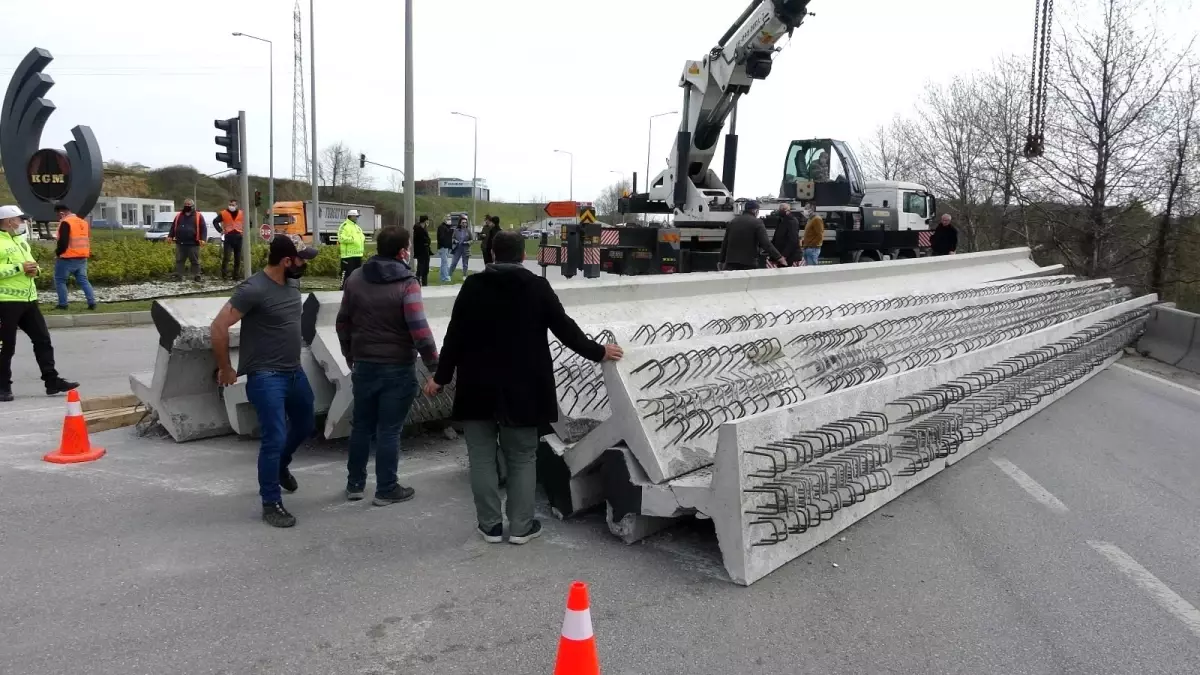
(131, 261)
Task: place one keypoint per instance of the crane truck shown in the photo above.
(865, 220)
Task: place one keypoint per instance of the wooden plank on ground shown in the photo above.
(93, 403)
(105, 420)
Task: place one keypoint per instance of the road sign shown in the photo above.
(562, 209)
(587, 215)
(265, 232)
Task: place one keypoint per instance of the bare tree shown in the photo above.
(1107, 91)
(341, 173)
(885, 154)
(1004, 99)
(606, 203)
(1180, 175)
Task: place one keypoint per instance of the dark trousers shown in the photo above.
(284, 403)
(189, 253)
(383, 395)
(423, 270)
(27, 317)
(232, 248)
(734, 267)
(348, 266)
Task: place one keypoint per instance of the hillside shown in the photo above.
(178, 183)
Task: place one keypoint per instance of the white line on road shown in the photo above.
(1160, 380)
(1035, 490)
(1162, 594)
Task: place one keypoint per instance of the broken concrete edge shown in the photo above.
(1172, 337)
(100, 320)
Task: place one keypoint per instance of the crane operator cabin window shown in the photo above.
(815, 161)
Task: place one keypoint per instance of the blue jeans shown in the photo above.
(383, 394)
(65, 268)
(444, 270)
(463, 253)
(284, 403)
(812, 256)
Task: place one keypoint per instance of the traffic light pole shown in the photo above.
(244, 175)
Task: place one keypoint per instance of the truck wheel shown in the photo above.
(868, 256)
(906, 253)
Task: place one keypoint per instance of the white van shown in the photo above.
(163, 221)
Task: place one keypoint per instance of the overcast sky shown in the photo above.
(150, 77)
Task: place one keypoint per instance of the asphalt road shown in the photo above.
(1069, 546)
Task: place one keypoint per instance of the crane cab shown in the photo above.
(823, 171)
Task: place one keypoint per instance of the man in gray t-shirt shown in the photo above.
(268, 305)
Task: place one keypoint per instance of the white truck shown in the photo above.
(297, 218)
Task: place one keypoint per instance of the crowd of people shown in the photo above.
(504, 385)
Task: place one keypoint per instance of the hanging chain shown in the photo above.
(1035, 137)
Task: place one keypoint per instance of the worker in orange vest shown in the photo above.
(74, 249)
(231, 223)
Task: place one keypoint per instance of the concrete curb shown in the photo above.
(1173, 337)
(110, 320)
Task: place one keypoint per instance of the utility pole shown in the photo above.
(244, 174)
(410, 184)
(271, 143)
(315, 164)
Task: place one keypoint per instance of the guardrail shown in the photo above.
(1173, 337)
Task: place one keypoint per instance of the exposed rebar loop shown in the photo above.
(800, 481)
(578, 381)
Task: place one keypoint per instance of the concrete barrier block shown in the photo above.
(1172, 336)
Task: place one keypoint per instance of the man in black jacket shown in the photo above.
(422, 250)
(744, 236)
(944, 240)
(787, 232)
(188, 232)
(497, 344)
(445, 242)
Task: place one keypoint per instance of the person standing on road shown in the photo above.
(461, 247)
(422, 250)
(19, 306)
(72, 253)
(505, 384)
(744, 236)
(189, 232)
(231, 223)
(786, 238)
(489, 234)
(350, 243)
(944, 240)
(381, 325)
(445, 242)
(269, 306)
(814, 236)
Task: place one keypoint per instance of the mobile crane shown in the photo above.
(863, 220)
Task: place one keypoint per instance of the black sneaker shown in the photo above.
(277, 516)
(394, 496)
(535, 531)
(354, 494)
(197, 278)
(287, 481)
(61, 308)
(92, 307)
(6, 395)
(492, 536)
(60, 386)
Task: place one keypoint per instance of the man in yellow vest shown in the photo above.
(350, 242)
(74, 249)
(19, 306)
(231, 224)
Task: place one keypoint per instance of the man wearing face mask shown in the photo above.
(231, 223)
(381, 326)
(268, 305)
(189, 232)
(19, 307)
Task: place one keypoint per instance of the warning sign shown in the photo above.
(266, 232)
(587, 215)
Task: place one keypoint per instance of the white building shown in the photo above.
(131, 211)
(455, 187)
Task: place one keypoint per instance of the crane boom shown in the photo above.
(712, 86)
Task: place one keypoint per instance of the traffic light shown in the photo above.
(362, 161)
(257, 198)
(232, 157)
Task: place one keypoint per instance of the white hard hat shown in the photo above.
(352, 212)
(7, 212)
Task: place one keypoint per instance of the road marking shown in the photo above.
(1162, 594)
(1035, 490)
(1160, 380)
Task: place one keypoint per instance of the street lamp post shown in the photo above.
(649, 139)
(196, 185)
(410, 142)
(271, 162)
(572, 193)
(475, 167)
(314, 168)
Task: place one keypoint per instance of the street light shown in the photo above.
(271, 95)
(314, 166)
(196, 185)
(475, 168)
(649, 137)
(572, 193)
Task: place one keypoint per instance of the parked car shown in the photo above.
(162, 227)
(101, 224)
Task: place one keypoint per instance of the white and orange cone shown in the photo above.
(75, 446)
(577, 646)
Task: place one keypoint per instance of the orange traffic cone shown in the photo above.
(75, 446)
(577, 646)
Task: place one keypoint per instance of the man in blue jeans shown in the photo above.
(268, 305)
(72, 253)
(381, 326)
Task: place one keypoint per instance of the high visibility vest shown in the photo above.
(196, 215)
(15, 286)
(79, 241)
(231, 224)
(351, 239)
